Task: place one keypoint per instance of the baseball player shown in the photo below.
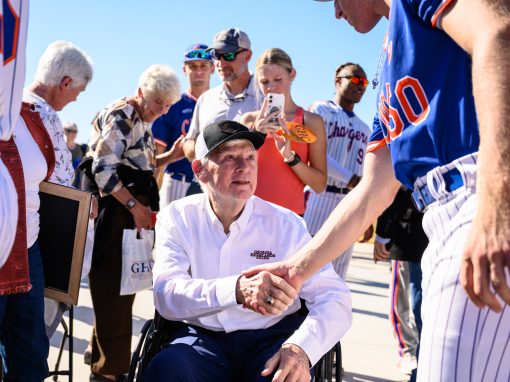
(435, 66)
(347, 138)
(14, 25)
(167, 129)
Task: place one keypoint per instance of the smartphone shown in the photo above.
(275, 101)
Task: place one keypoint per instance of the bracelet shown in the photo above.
(294, 161)
(290, 158)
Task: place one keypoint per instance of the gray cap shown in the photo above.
(230, 41)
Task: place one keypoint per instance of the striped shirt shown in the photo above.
(347, 137)
(120, 137)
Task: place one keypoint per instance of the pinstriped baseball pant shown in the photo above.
(459, 342)
(171, 189)
(318, 209)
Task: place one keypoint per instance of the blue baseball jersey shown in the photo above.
(170, 126)
(426, 111)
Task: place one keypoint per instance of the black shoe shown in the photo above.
(87, 357)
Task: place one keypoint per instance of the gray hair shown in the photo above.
(160, 79)
(63, 59)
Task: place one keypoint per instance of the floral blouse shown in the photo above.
(64, 171)
(120, 137)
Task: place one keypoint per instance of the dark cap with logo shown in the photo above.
(220, 132)
(230, 41)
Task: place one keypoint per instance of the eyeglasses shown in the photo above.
(357, 80)
(199, 54)
(229, 101)
(226, 56)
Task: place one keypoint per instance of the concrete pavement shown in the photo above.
(368, 349)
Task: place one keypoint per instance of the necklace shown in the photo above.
(375, 80)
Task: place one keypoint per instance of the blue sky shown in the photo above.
(124, 37)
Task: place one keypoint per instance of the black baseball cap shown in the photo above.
(220, 132)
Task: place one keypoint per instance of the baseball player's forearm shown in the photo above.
(487, 250)
(352, 216)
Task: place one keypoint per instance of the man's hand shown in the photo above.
(486, 263)
(257, 288)
(380, 252)
(367, 235)
(283, 269)
(291, 364)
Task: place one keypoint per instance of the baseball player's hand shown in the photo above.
(283, 269)
(262, 286)
(380, 252)
(367, 235)
(486, 263)
(291, 364)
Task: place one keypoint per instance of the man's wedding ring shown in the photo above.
(270, 300)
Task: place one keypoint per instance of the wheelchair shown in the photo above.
(156, 333)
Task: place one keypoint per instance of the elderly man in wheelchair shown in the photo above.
(203, 242)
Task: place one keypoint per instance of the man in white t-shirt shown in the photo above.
(203, 242)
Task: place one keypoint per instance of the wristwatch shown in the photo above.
(294, 161)
(130, 204)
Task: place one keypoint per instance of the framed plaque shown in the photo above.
(64, 216)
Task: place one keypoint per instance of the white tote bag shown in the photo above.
(136, 261)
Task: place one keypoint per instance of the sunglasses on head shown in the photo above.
(226, 56)
(357, 80)
(199, 53)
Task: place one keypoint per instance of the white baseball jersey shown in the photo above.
(347, 138)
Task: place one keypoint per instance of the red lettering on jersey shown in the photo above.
(184, 126)
(413, 84)
(388, 113)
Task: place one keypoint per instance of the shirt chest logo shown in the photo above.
(262, 255)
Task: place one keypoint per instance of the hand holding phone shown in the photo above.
(275, 102)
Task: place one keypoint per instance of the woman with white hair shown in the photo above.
(123, 155)
(62, 74)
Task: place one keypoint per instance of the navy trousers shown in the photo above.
(199, 355)
(24, 345)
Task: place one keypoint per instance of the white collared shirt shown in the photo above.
(197, 266)
(219, 104)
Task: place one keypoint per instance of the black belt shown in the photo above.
(338, 190)
(422, 196)
(180, 176)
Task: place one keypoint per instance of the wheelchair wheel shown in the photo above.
(148, 327)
